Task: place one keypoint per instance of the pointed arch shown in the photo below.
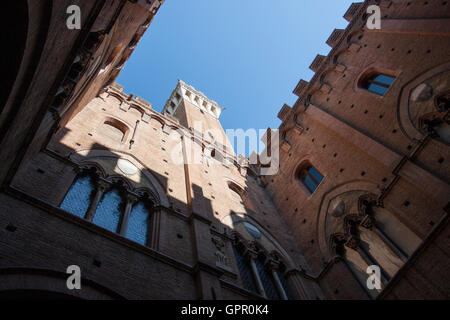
(94, 155)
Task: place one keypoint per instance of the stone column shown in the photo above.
(273, 266)
(131, 200)
(252, 255)
(102, 186)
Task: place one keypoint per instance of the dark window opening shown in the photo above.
(377, 83)
(310, 177)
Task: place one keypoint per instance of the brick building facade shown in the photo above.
(158, 206)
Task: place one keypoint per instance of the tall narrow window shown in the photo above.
(244, 270)
(377, 83)
(284, 283)
(78, 198)
(266, 279)
(310, 177)
(109, 210)
(138, 223)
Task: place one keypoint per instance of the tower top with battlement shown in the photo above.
(195, 97)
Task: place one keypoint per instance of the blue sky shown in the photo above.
(247, 55)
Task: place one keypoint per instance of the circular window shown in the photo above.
(254, 231)
(126, 167)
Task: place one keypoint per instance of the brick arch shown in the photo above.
(54, 282)
(309, 158)
(116, 95)
(15, 17)
(350, 36)
(89, 155)
(235, 219)
(146, 192)
(338, 54)
(88, 165)
(118, 179)
(137, 108)
(24, 48)
(321, 234)
(159, 119)
(323, 75)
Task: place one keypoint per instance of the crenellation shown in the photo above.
(352, 11)
(335, 36)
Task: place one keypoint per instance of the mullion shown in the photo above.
(312, 178)
(379, 83)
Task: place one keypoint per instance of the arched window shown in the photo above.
(114, 129)
(110, 206)
(245, 270)
(280, 272)
(266, 279)
(139, 222)
(374, 236)
(79, 196)
(108, 212)
(376, 82)
(260, 273)
(309, 176)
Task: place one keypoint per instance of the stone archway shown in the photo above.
(44, 284)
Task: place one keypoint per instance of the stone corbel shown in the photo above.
(146, 118)
(325, 88)
(298, 128)
(354, 48)
(285, 146)
(166, 129)
(340, 68)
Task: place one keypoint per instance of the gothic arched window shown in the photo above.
(260, 274)
(309, 176)
(266, 279)
(244, 269)
(138, 223)
(280, 272)
(374, 236)
(78, 197)
(376, 82)
(109, 210)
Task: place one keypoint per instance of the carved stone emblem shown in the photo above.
(221, 258)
